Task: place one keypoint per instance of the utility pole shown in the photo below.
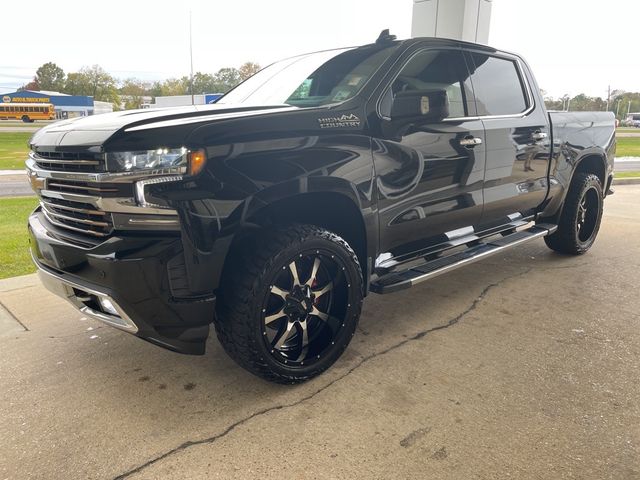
(629, 109)
(618, 108)
(608, 98)
(191, 58)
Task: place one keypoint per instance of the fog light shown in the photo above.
(108, 307)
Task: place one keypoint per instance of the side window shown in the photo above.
(435, 71)
(303, 91)
(497, 85)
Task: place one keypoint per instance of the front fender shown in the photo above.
(242, 179)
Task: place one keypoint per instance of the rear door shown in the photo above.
(517, 137)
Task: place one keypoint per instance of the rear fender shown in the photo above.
(568, 163)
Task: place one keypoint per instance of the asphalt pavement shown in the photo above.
(11, 126)
(524, 366)
(15, 185)
(19, 129)
(627, 164)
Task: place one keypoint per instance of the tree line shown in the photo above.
(619, 102)
(129, 93)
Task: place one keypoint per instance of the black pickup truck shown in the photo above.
(323, 177)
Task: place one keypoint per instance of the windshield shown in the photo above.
(311, 80)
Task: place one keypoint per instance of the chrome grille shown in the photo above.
(69, 161)
(83, 188)
(86, 207)
(76, 216)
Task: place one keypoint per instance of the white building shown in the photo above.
(184, 100)
(466, 20)
(102, 107)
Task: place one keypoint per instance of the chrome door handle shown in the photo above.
(470, 141)
(537, 136)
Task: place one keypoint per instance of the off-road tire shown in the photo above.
(239, 312)
(566, 239)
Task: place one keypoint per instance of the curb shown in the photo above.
(626, 181)
(16, 283)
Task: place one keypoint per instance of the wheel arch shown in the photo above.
(593, 162)
(337, 210)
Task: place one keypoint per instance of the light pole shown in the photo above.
(191, 58)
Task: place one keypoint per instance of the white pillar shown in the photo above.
(458, 19)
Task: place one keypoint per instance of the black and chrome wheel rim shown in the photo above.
(305, 307)
(587, 218)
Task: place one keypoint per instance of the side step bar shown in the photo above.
(394, 282)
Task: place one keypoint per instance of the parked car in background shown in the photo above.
(633, 120)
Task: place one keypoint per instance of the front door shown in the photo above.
(430, 171)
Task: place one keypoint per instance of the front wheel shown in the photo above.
(26, 119)
(580, 218)
(289, 303)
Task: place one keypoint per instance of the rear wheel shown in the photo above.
(289, 305)
(580, 218)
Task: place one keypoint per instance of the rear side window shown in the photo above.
(497, 85)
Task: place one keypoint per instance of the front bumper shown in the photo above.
(138, 278)
(86, 299)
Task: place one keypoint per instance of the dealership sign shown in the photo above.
(210, 98)
(59, 101)
(8, 99)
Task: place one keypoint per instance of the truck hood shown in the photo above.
(96, 129)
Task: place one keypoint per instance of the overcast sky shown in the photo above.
(573, 46)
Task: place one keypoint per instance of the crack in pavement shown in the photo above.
(363, 360)
(14, 317)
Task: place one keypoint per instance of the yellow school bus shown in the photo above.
(27, 112)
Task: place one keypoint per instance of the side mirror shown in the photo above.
(420, 105)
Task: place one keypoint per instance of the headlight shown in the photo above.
(160, 160)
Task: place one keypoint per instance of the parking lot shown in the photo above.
(522, 366)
